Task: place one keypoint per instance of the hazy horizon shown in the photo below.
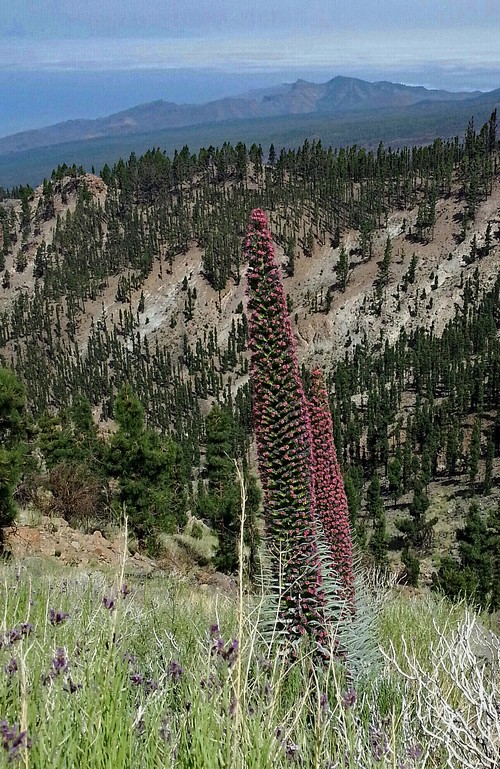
(37, 99)
(60, 62)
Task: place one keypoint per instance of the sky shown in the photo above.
(63, 59)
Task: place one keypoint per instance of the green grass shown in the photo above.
(146, 684)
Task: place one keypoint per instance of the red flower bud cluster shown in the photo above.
(283, 435)
(329, 493)
(303, 488)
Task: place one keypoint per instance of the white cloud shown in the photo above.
(461, 48)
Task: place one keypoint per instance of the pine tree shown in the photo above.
(353, 485)
(21, 260)
(452, 448)
(395, 476)
(150, 471)
(378, 544)
(417, 529)
(251, 533)
(474, 452)
(487, 239)
(221, 503)
(290, 254)
(412, 269)
(382, 278)
(366, 238)
(412, 567)
(342, 268)
(488, 470)
(474, 553)
(13, 423)
(476, 572)
(74, 455)
(493, 524)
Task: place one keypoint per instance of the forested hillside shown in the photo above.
(390, 260)
(342, 112)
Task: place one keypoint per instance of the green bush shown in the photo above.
(13, 423)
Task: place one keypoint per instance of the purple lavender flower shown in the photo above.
(11, 667)
(71, 687)
(414, 752)
(109, 603)
(151, 685)
(292, 751)
(175, 671)
(208, 684)
(348, 698)
(59, 662)
(17, 633)
(140, 727)
(13, 635)
(227, 652)
(231, 652)
(214, 630)
(13, 740)
(124, 590)
(57, 617)
(136, 679)
(217, 646)
(379, 744)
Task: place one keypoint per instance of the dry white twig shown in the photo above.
(458, 694)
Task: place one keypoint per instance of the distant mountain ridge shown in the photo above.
(338, 96)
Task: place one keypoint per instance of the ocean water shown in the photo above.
(36, 99)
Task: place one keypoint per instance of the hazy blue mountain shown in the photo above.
(337, 96)
(346, 112)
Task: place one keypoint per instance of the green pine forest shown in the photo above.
(109, 409)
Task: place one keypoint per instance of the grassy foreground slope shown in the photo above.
(96, 672)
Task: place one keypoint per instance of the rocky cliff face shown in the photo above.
(54, 538)
(326, 321)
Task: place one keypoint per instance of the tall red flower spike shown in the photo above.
(330, 498)
(283, 435)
